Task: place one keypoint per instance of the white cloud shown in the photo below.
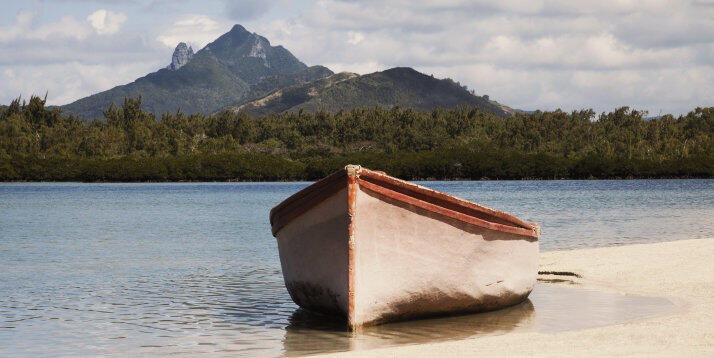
(106, 22)
(66, 82)
(652, 54)
(356, 67)
(247, 9)
(547, 54)
(67, 27)
(194, 29)
(102, 22)
(71, 58)
(355, 37)
(23, 21)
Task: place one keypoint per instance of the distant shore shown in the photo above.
(132, 145)
(308, 181)
(681, 271)
(311, 181)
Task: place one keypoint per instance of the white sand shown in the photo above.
(682, 271)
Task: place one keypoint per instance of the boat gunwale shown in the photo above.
(428, 199)
(508, 223)
(294, 205)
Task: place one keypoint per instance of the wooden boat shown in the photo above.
(374, 248)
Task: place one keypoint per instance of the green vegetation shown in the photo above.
(224, 73)
(37, 143)
(243, 72)
(399, 86)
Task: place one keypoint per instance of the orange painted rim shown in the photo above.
(305, 199)
(352, 188)
(375, 181)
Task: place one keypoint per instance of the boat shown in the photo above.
(372, 248)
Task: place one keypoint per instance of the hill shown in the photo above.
(241, 71)
(219, 75)
(401, 86)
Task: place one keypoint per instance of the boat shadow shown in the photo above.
(310, 333)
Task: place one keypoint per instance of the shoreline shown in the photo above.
(680, 271)
(312, 181)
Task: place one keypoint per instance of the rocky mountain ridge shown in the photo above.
(241, 67)
(219, 75)
(399, 86)
(182, 54)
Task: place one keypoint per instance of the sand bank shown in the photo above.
(682, 271)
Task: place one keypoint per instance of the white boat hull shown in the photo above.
(371, 253)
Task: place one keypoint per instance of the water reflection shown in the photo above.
(192, 268)
(550, 308)
(308, 333)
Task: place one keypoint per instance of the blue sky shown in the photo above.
(656, 55)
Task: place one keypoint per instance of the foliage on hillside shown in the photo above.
(221, 74)
(290, 98)
(269, 84)
(201, 86)
(400, 86)
(37, 143)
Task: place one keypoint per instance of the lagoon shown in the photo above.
(155, 268)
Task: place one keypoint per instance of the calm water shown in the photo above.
(89, 269)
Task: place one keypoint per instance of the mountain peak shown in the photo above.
(242, 67)
(237, 29)
(182, 54)
(258, 48)
(251, 57)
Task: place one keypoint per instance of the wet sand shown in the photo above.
(681, 271)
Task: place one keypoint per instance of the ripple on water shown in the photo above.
(92, 269)
(211, 314)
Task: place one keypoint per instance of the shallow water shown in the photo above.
(549, 309)
(89, 269)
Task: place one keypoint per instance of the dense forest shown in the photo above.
(39, 143)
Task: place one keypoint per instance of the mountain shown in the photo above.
(243, 72)
(182, 54)
(269, 84)
(250, 57)
(400, 86)
(219, 75)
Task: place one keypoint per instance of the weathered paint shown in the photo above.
(352, 172)
(314, 255)
(306, 199)
(413, 262)
(446, 204)
(372, 253)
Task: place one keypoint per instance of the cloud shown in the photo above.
(538, 54)
(71, 58)
(102, 22)
(357, 67)
(547, 54)
(106, 22)
(198, 30)
(355, 37)
(66, 82)
(23, 21)
(243, 10)
(67, 27)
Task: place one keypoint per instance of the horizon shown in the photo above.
(653, 57)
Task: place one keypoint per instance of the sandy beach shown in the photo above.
(681, 271)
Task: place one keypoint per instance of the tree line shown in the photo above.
(38, 143)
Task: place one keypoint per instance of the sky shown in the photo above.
(537, 54)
